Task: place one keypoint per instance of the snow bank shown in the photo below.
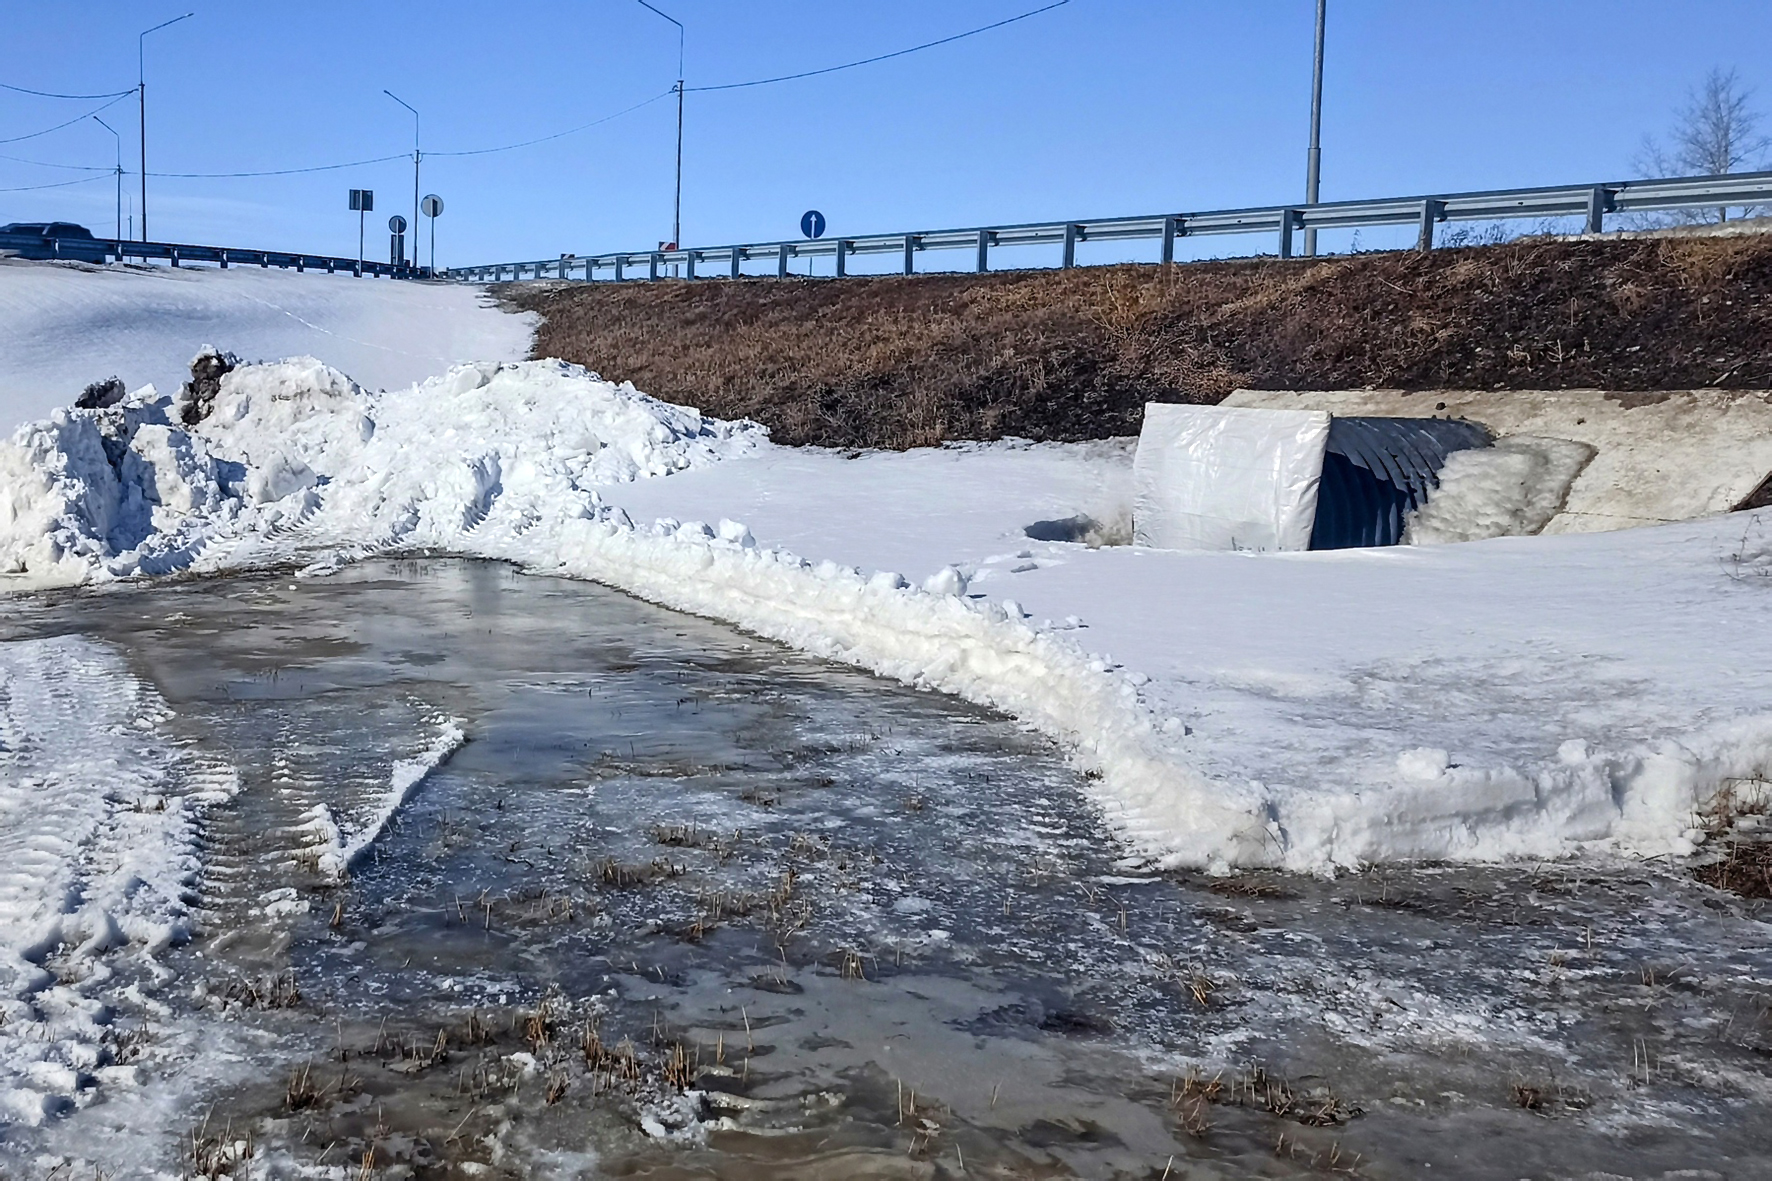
(1515, 697)
(64, 325)
(335, 847)
(98, 854)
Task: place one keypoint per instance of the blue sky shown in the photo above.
(1099, 107)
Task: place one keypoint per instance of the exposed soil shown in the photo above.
(1065, 355)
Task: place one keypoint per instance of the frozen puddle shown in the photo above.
(688, 904)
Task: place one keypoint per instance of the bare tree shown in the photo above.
(1717, 131)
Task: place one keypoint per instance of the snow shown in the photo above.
(65, 325)
(1512, 489)
(98, 854)
(1515, 697)
(334, 848)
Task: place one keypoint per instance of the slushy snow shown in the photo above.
(1518, 697)
(99, 854)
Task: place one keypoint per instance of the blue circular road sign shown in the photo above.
(812, 223)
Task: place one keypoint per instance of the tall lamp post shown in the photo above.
(1314, 167)
(141, 95)
(113, 131)
(677, 208)
(415, 159)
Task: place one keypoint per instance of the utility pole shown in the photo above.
(119, 138)
(1314, 167)
(141, 95)
(677, 209)
(415, 159)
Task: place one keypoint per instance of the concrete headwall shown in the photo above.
(1658, 456)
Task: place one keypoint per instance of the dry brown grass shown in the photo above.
(901, 362)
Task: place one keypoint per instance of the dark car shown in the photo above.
(50, 239)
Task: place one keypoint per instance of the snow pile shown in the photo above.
(1511, 489)
(335, 847)
(98, 853)
(129, 489)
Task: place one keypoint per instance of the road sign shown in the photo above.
(812, 223)
(432, 205)
(362, 200)
(397, 224)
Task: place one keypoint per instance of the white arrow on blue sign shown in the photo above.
(812, 223)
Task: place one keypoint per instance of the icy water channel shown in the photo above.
(688, 904)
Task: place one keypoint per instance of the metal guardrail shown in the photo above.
(110, 249)
(1592, 202)
(226, 256)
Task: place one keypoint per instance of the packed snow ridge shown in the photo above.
(1308, 767)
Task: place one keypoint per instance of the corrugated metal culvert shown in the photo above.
(1378, 470)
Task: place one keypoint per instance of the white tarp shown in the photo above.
(1216, 477)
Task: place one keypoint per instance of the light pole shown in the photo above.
(1314, 167)
(141, 95)
(677, 209)
(415, 160)
(113, 131)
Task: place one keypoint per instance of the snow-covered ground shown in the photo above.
(66, 325)
(1525, 697)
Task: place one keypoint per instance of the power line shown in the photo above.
(49, 164)
(48, 94)
(60, 184)
(76, 119)
(868, 61)
(561, 134)
(276, 171)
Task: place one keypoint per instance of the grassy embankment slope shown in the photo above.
(903, 362)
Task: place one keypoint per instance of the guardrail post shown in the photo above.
(301, 264)
(1599, 201)
(174, 254)
(737, 257)
(781, 261)
(910, 254)
(652, 267)
(1171, 227)
(984, 251)
(224, 259)
(842, 258)
(562, 272)
(329, 266)
(1431, 212)
(620, 267)
(689, 264)
(1070, 244)
(1288, 219)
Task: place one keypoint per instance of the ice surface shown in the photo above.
(65, 325)
(1238, 710)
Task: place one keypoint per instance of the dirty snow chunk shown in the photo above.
(336, 847)
(1511, 489)
(98, 851)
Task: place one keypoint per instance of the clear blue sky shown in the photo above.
(1099, 107)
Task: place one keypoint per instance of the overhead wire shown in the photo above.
(561, 134)
(60, 184)
(89, 114)
(50, 164)
(49, 94)
(868, 61)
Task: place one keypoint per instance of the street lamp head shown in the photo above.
(141, 40)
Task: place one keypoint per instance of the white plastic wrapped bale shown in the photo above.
(1218, 478)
